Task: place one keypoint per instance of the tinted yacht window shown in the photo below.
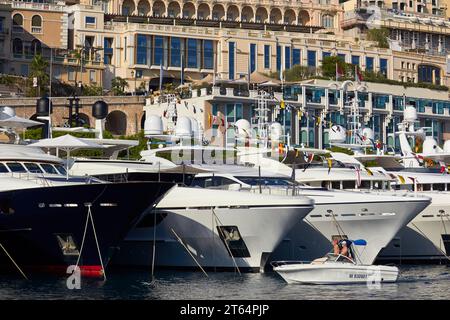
(3, 168)
(33, 167)
(48, 168)
(16, 167)
(61, 169)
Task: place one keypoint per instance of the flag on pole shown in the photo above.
(358, 75)
(443, 167)
(161, 71)
(358, 176)
(339, 72)
(182, 69)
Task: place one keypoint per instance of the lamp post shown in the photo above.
(133, 76)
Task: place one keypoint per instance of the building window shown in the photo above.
(158, 55)
(369, 64)
(325, 54)
(252, 57)
(108, 50)
(278, 58)
(267, 56)
(125, 48)
(287, 58)
(192, 58)
(327, 21)
(208, 54)
(71, 73)
(234, 112)
(341, 56)
(141, 50)
(139, 74)
(2, 24)
(56, 72)
(296, 57)
(429, 74)
(384, 67)
(17, 47)
(92, 77)
(231, 49)
(24, 69)
(90, 21)
(175, 52)
(36, 24)
(311, 58)
(36, 47)
(355, 60)
(17, 23)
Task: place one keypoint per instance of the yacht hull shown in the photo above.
(375, 222)
(182, 234)
(42, 228)
(426, 239)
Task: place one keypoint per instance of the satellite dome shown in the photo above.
(243, 127)
(430, 146)
(183, 127)
(153, 125)
(7, 112)
(337, 134)
(447, 146)
(410, 114)
(369, 135)
(276, 131)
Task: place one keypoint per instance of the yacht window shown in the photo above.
(48, 168)
(33, 167)
(61, 169)
(267, 181)
(365, 184)
(231, 237)
(426, 187)
(349, 184)
(221, 181)
(199, 182)
(16, 167)
(378, 185)
(439, 186)
(336, 185)
(3, 168)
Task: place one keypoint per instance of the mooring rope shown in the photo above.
(154, 247)
(188, 251)
(89, 217)
(425, 236)
(226, 244)
(14, 262)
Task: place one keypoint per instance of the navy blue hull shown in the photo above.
(43, 228)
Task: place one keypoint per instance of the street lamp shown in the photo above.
(133, 75)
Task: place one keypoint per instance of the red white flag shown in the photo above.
(358, 75)
(339, 72)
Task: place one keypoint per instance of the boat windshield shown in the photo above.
(338, 258)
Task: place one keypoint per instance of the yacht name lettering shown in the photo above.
(194, 310)
(357, 276)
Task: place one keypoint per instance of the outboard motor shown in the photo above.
(100, 112)
(44, 109)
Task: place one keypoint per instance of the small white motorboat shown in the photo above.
(334, 269)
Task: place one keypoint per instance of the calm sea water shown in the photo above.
(416, 282)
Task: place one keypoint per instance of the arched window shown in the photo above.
(17, 46)
(36, 47)
(36, 24)
(327, 21)
(17, 23)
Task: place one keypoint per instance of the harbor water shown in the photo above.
(415, 282)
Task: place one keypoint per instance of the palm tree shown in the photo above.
(118, 86)
(38, 70)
